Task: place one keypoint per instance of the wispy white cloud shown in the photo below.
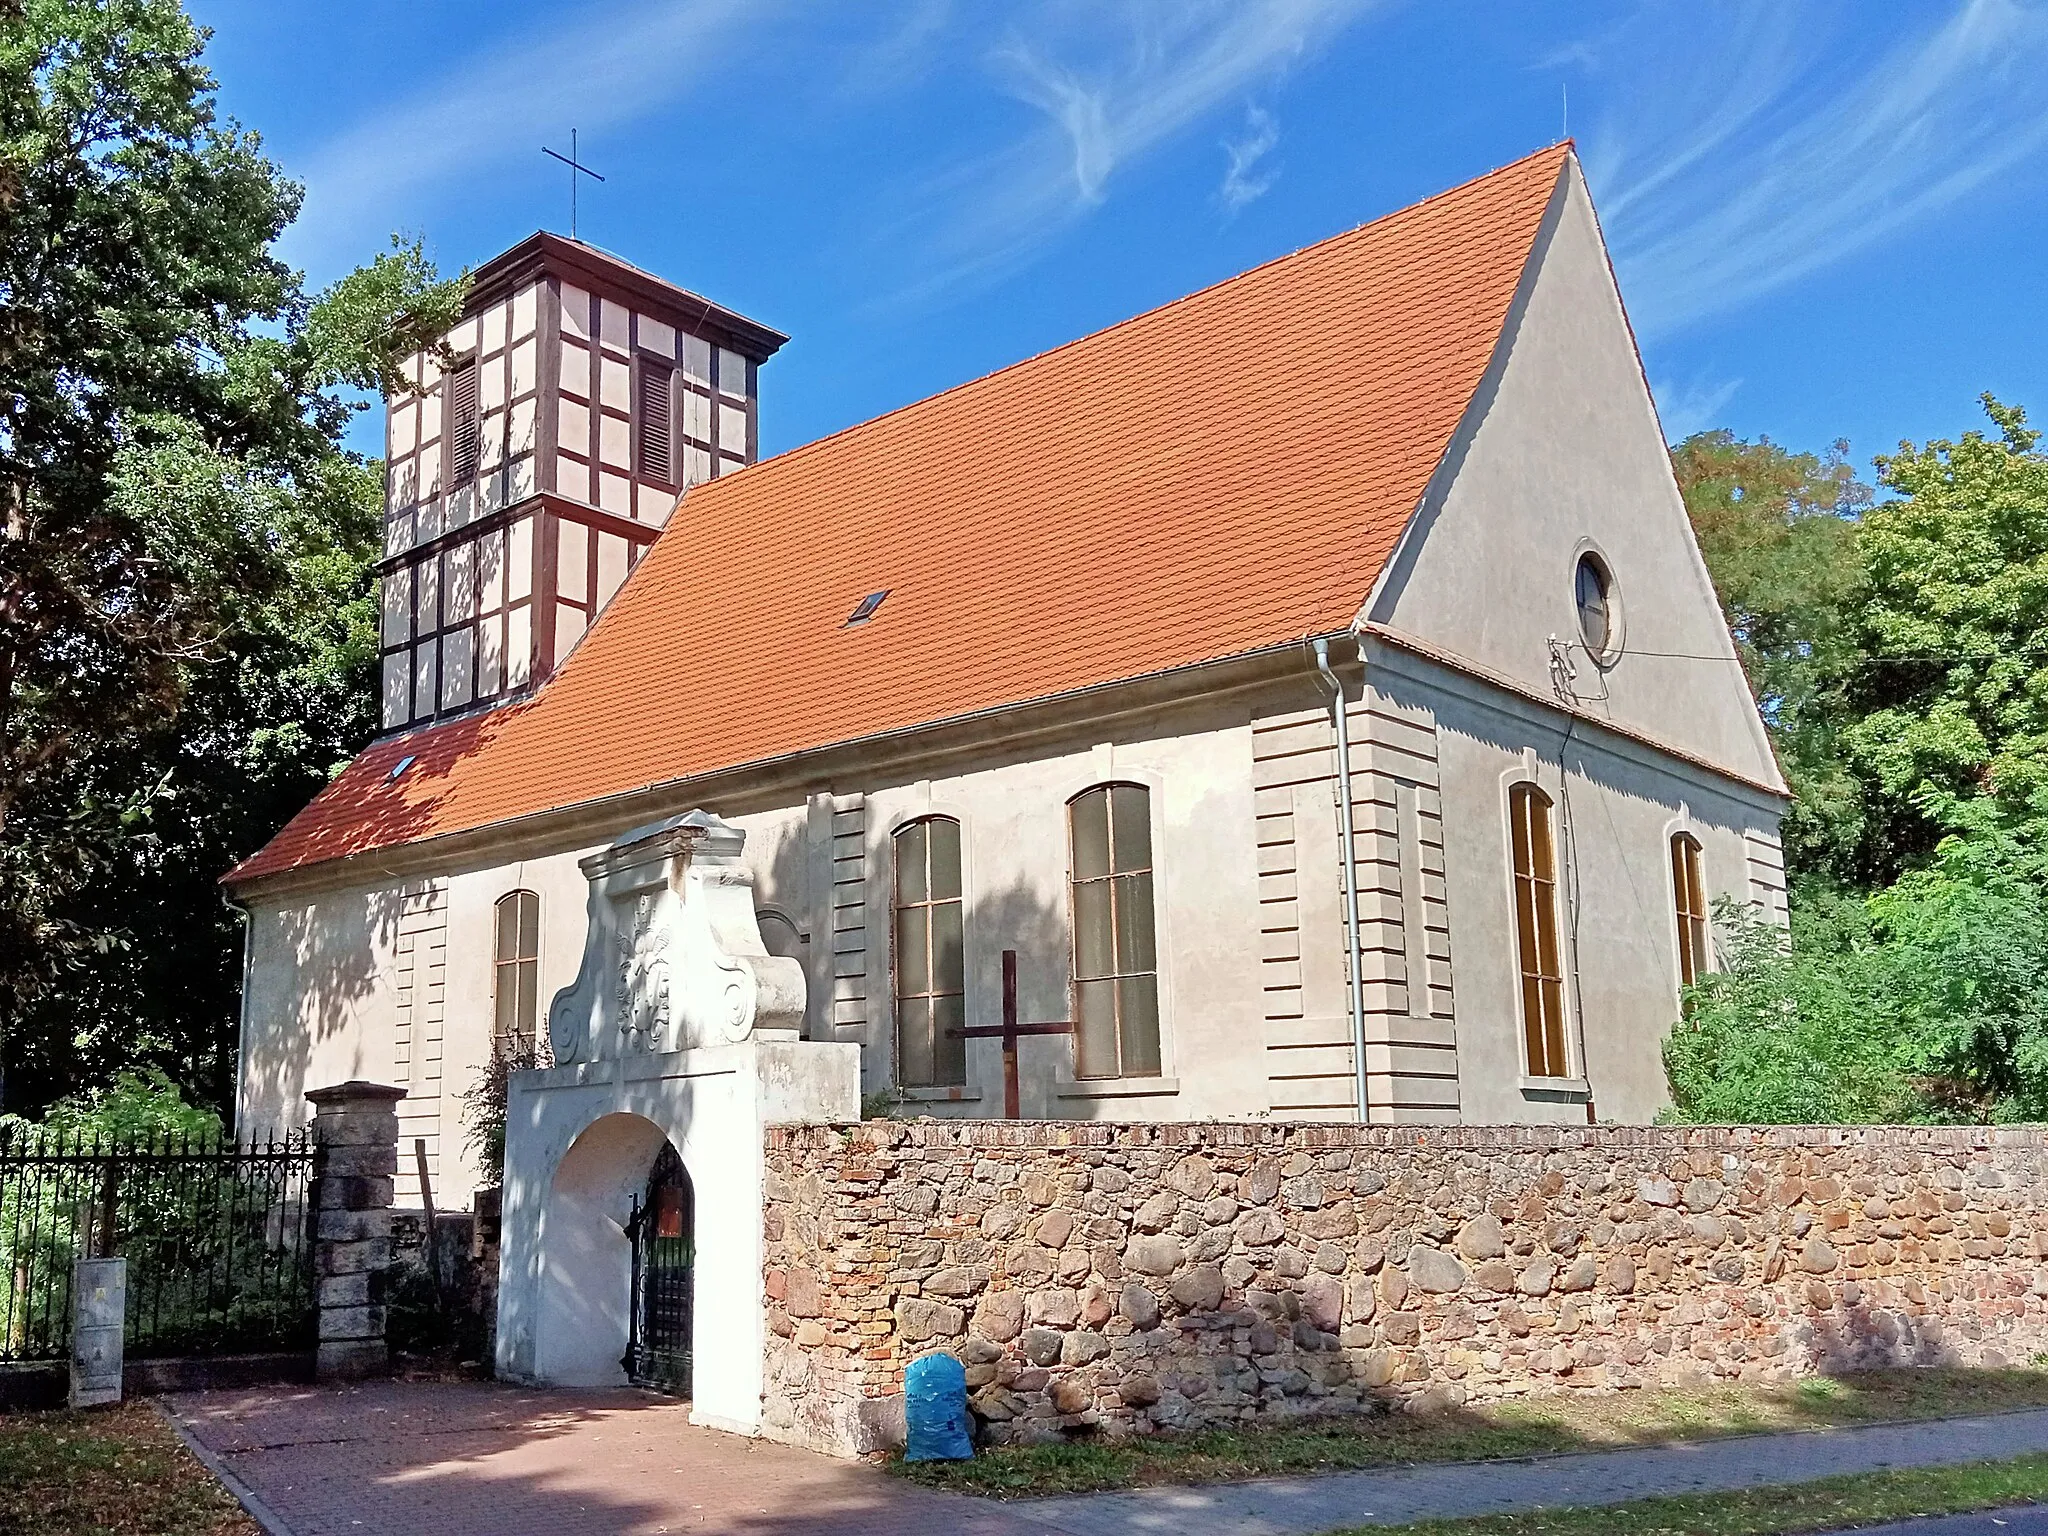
(1736, 169)
(1105, 82)
(1081, 111)
(1243, 181)
(1692, 406)
(608, 69)
(1111, 83)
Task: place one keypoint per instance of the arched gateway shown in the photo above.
(625, 1257)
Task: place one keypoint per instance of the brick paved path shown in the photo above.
(462, 1459)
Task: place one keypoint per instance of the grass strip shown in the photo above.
(1831, 1504)
(1537, 1426)
(107, 1472)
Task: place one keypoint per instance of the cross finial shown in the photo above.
(576, 167)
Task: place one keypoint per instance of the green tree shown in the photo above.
(1953, 694)
(184, 546)
(1778, 531)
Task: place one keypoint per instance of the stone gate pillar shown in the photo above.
(355, 1159)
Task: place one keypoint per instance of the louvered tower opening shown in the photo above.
(465, 437)
(657, 430)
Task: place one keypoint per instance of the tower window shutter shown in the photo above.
(657, 429)
(465, 437)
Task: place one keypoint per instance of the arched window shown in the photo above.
(516, 978)
(930, 968)
(1535, 865)
(1689, 897)
(1116, 961)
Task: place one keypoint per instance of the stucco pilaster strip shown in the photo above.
(849, 915)
(1766, 859)
(420, 1016)
(1411, 1033)
(1289, 752)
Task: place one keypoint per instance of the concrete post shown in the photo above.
(355, 1135)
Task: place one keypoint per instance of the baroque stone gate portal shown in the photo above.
(680, 1031)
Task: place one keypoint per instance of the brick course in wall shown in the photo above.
(1128, 1278)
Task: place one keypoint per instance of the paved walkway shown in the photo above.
(2029, 1521)
(474, 1459)
(463, 1459)
(1298, 1506)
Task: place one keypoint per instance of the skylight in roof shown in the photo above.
(398, 768)
(865, 609)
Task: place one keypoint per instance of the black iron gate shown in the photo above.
(663, 1231)
(215, 1233)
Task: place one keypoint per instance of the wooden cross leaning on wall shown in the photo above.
(1009, 1032)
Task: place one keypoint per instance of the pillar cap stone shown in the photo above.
(355, 1091)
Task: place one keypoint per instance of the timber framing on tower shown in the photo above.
(534, 458)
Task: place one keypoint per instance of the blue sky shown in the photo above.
(1829, 220)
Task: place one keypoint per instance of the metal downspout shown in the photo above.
(242, 1011)
(1346, 844)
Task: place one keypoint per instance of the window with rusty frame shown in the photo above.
(516, 973)
(1115, 947)
(1536, 944)
(928, 955)
(1689, 897)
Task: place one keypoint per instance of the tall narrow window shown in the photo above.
(465, 437)
(657, 429)
(1689, 894)
(1116, 962)
(517, 979)
(930, 970)
(1536, 931)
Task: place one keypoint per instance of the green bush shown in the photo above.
(1927, 1001)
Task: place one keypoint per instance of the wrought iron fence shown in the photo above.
(220, 1257)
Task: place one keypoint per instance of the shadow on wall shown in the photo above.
(795, 918)
(1855, 1336)
(586, 1262)
(317, 965)
(1013, 917)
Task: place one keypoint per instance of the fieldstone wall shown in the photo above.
(1130, 1278)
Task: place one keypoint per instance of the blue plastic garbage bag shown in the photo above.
(935, 1422)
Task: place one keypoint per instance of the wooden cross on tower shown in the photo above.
(1009, 1032)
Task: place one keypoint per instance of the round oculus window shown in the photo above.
(1599, 609)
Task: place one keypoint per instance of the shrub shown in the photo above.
(1925, 1002)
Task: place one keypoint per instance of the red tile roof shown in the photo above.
(1223, 474)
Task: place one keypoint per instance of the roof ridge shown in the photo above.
(1569, 146)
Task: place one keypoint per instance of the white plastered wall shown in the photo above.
(1615, 807)
(317, 1008)
(323, 994)
(1015, 870)
(1561, 450)
(825, 862)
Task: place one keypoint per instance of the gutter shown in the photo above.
(1345, 840)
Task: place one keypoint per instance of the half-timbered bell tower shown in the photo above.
(531, 467)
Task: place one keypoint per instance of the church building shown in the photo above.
(1313, 683)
